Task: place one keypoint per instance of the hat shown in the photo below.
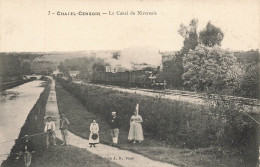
(48, 117)
(113, 112)
(94, 136)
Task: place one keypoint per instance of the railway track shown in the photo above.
(247, 101)
(188, 94)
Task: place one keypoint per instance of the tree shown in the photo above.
(25, 67)
(98, 67)
(249, 85)
(116, 55)
(210, 68)
(190, 35)
(63, 69)
(211, 35)
(172, 71)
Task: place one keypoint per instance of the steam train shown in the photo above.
(145, 78)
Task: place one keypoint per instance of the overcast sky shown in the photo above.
(26, 26)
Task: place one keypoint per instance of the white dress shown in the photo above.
(136, 130)
(94, 128)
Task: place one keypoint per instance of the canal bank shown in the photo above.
(55, 155)
(30, 119)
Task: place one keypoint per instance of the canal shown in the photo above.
(15, 105)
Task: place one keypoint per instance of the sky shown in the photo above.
(25, 25)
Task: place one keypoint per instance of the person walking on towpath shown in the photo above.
(115, 124)
(64, 122)
(94, 137)
(50, 128)
(27, 149)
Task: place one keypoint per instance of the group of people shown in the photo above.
(28, 146)
(50, 130)
(135, 133)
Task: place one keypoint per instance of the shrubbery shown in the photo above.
(176, 123)
(172, 121)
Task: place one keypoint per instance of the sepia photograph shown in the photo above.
(150, 83)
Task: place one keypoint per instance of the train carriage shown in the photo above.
(139, 78)
(103, 77)
(108, 78)
(111, 78)
(123, 78)
(96, 77)
(147, 78)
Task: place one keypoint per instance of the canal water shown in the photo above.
(15, 105)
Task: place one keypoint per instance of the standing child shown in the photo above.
(94, 137)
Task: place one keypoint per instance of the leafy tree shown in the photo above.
(98, 67)
(172, 71)
(10, 65)
(26, 67)
(190, 35)
(210, 68)
(249, 82)
(63, 69)
(211, 35)
(116, 55)
(85, 66)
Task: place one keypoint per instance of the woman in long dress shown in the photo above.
(136, 130)
(94, 136)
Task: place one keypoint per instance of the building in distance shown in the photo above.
(74, 74)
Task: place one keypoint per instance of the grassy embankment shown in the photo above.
(56, 155)
(81, 115)
(11, 84)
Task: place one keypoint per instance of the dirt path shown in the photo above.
(121, 157)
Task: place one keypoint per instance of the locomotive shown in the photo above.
(145, 78)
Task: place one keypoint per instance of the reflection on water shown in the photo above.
(15, 105)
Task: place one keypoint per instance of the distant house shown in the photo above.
(114, 69)
(56, 72)
(74, 74)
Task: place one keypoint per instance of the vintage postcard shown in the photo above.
(152, 83)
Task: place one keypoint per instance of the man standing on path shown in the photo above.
(27, 150)
(64, 122)
(50, 128)
(115, 125)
